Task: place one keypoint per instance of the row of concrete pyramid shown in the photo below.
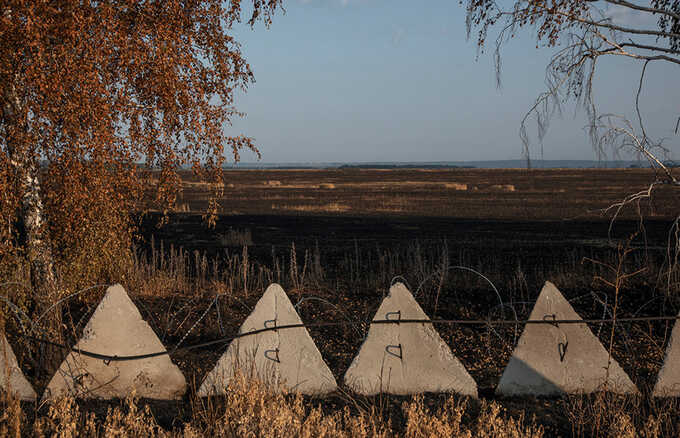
(409, 358)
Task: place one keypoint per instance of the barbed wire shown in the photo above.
(356, 325)
(548, 319)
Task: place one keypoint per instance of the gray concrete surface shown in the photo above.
(285, 358)
(668, 380)
(117, 328)
(406, 358)
(563, 358)
(12, 379)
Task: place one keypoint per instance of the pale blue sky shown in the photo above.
(394, 80)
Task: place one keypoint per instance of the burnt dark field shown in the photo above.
(498, 220)
(509, 219)
(512, 194)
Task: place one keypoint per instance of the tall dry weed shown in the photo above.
(131, 421)
(251, 409)
(621, 416)
(11, 415)
(64, 419)
(491, 422)
(420, 423)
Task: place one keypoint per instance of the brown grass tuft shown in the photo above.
(503, 187)
(333, 207)
(456, 186)
(448, 421)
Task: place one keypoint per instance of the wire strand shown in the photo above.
(223, 340)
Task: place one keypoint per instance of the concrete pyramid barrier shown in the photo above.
(11, 378)
(117, 329)
(280, 358)
(552, 359)
(668, 381)
(406, 358)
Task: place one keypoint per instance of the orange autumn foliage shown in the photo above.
(91, 89)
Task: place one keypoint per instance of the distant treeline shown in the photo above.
(500, 164)
(404, 166)
(489, 164)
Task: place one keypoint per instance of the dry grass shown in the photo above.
(606, 414)
(491, 421)
(332, 207)
(249, 409)
(201, 184)
(456, 186)
(503, 187)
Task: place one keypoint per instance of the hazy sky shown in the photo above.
(394, 80)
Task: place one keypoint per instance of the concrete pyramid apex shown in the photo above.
(280, 358)
(406, 358)
(11, 377)
(116, 328)
(668, 381)
(552, 359)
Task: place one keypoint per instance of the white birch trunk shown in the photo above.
(31, 212)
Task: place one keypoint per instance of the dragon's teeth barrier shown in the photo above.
(668, 383)
(406, 358)
(552, 359)
(119, 354)
(281, 358)
(116, 328)
(11, 377)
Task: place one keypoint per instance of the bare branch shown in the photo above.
(637, 101)
(619, 28)
(543, 99)
(654, 58)
(617, 49)
(635, 197)
(626, 4)
(653, 48)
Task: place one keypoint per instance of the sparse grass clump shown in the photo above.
(491, 421)
(251, 410)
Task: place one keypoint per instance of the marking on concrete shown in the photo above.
(285, 358)
(11, 377)
(406, 358)
(117, 328)
(552, 359)
(668, 381)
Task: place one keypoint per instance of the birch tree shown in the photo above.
(90, 89)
